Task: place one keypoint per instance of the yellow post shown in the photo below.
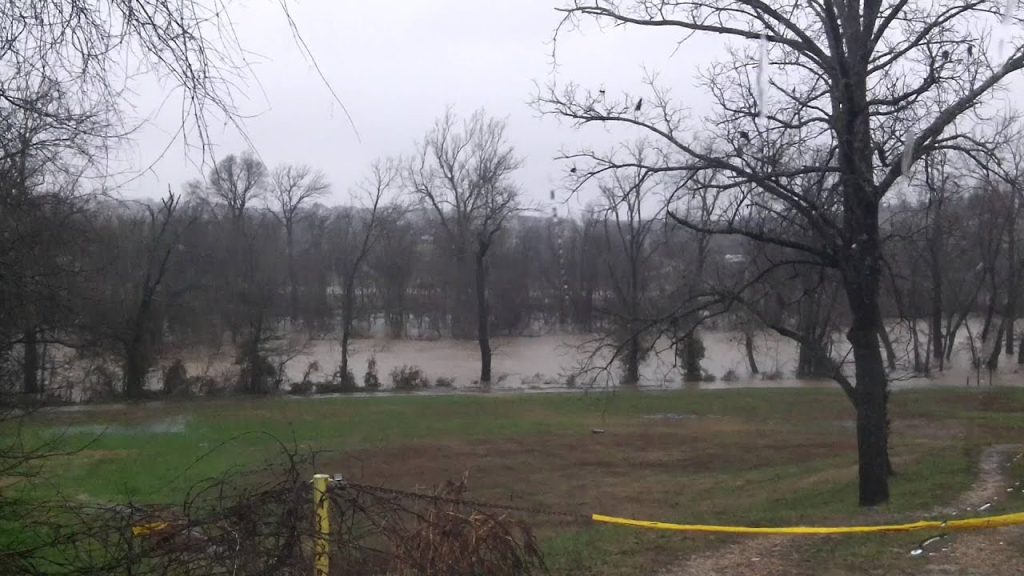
(321, 508)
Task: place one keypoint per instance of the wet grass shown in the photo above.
(756, 457)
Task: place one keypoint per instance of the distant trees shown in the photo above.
(128, 286)
(249, 276)
(462, 173)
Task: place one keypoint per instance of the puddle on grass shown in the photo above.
(173, 425)
(669, 416)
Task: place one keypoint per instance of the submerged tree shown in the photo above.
(462, 173)
(876, 85)
(630, 218)
(158, 233)
(357, 232)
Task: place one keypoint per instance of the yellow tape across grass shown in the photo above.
(1014, 519)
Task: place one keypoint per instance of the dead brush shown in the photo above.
(456, 540)
(262, 523)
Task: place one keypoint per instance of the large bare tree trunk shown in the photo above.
(1010, 315)
(748, 345)
(137, 352)
(135, 369)
(347, 310)
(919, 366)
(861, 272)
(992, 362)
(631, 371)
(812, 357)
(890, 352)
(30, 368)
(482, 320)
(462, 324)
(293, 289)
(693, 353)
(993, 298)
(935, 334)
(872, 395)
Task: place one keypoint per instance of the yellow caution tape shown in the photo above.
(1014, 519)
(152, 527)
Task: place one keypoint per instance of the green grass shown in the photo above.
(755, 457)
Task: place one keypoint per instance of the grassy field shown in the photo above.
(755, 457)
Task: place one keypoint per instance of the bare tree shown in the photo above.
(631, 220)
(863, 80)
(163, 228)
(1004, 178)
(393, 264)
(237, 182)
(361, 233)
(462, 172)
(291, 188)
(43, 224)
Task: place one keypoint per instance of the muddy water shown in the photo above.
(546, 362)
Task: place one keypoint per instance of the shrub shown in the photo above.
(340, 384)
(258, 374)
(773, 375)
(707, 377)
(570, 381)
(335, 387)
(176, 379)
(730, 376)
(311, 368)
(301, 388)
(206, 385)
(370, 380)
(443, 382)
(408, 378)
(347, 380)
(100, 384)
(690, 352)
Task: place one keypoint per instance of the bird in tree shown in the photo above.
(639, 105)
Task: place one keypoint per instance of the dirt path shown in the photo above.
(989, 552)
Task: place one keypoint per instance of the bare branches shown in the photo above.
(915, 62)
(292, 187)
(237, 182)
(88, 52)
(462, 173)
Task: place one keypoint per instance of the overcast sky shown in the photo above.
(396, 66)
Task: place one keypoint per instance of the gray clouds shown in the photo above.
(396, 66)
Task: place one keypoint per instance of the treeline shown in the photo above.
(107, 291)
